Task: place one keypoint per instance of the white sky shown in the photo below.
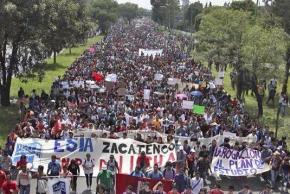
(146, 3)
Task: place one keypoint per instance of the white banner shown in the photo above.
(58, 186)
(126, 151)
(149, 52)
(231, 162)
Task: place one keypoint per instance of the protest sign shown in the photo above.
(232, 162)
(123, 181)
(198, 109)
(158, 76)
(58, 186)
(111, 78)
(187, 104)
(146, 94)
(126, 151)
(219, 82)
(173, 81)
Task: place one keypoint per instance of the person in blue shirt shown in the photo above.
(54, 167)
(156, 173)
(137, 172)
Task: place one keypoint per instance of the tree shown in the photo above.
(104, 12)
(281, 8)
(220, 34)
(244, 5)
(67, 22)
(164, 12)
(262, 52)
(20, 40)
(128, 11)
(191, 13)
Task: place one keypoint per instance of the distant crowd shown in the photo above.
(104, 89)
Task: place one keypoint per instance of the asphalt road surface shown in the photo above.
(256, 184)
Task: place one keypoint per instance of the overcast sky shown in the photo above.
(146, 3)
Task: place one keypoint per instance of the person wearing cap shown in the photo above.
(88, 166)
(197, 183)
(105, 178)
(190, 160)
(155, 174)
(143, 161)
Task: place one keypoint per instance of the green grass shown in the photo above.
(64, 60)
(269, 117)
(9, 116)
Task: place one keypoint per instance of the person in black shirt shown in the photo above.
(75, 170)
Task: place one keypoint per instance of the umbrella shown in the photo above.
(196, 93)
(181, 96)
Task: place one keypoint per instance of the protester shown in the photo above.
(41, 181)
(88, 166)
(54, 167)
(155, 174)
(75, 170)
(105, 178)
(24, 179)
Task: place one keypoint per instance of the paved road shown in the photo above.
(256, 184)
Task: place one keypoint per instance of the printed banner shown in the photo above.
(123, 181)
(158, 77)
(126, 151)
(232, 162)
(58, 186)
(148, 52)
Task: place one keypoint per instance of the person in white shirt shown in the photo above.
(197, 183)
(23, 179)
(88, 166)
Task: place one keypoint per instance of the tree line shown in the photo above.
(33, 30)
(252, 38)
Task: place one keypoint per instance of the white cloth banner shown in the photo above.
(232, 162)
(126, 151)
(173, 81)
(149, 52)
(187, 104)
(111, 78)
(58, 186)
(146, 94)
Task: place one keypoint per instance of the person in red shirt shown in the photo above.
(2, 178)
(9, 186)
(216, 190)
(143, 161)
(21, 162)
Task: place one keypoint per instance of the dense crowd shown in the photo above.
(104, 89)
